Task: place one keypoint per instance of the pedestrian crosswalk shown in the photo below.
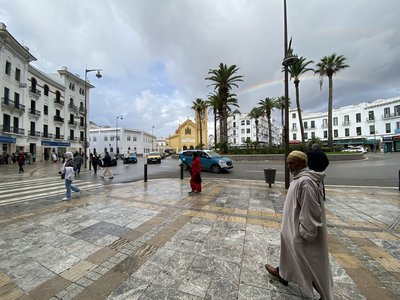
(34, 189)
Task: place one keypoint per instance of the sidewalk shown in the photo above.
(154, 241)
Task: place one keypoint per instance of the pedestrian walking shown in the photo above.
(78, 162)
(69, 175)
(94, 160)
(21, 161)
(107, 164)
(195, 172)
(304, 256)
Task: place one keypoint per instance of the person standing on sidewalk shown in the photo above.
(304, 256)
(21, 161)
(78, 162)
(107, 164)
(195, 172)
(68, 170)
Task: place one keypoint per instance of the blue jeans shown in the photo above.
(69, 187)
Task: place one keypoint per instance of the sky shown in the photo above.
(156, 54)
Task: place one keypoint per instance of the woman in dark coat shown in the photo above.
(195, 179)
(21, 161)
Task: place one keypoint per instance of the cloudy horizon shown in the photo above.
(156, 54)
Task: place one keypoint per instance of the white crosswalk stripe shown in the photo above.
(33, 189)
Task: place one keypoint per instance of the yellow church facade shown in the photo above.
(187, 136)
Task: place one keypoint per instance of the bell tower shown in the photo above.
(203, 127)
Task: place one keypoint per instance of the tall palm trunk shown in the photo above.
(269, 131)
(201, 130)
(296, 84)
(330, 107)
(215, 128)
(256, 122)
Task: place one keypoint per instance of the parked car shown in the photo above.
(355, 149)
(113, 159)
(154, 157)
(132, 158)
(209, 160)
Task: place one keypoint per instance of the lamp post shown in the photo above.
(85, 142)
(289, 60)
(116, 133)
(152, 138)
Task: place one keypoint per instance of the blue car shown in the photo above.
(209, 160)
(132, 158)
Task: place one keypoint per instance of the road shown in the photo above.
(375, 170)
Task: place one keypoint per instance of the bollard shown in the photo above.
(269, 176)
(145, 172)
(181, 171)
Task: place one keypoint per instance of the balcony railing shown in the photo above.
(11, 129)
(73, 107)
(34, 112)
(58, 119)
(35, 92)
(74, 123)
(59, 102)
(390, 116)
(72, 138)
(5, 102)
(47, 135)
(370, 119)
(34, 133)
(59, 137)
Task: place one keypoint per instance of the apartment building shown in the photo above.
(242, 128)
(375, 125)
(39, 112)
(119, 140)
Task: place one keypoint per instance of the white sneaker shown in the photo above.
(65, 199)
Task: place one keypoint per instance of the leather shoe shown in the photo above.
(275, 272)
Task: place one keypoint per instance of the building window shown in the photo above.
(313, 135)
(325, 134)
(346, 132)
(57, 112)
(188, 131)
(306, 135)
(335, 133)
(324, 122)
(346, 120)
(294, 136)
(128, 138)
(234, 131)
(247, 122)
(305, 125)
(58, 96)
(293, 115)
(134, 139)
(335, 121)
(8, 68)
(71, 134)
(105, 138)
(248, 130)
(358, 118)
(45, 110)
(397, 110)
(45, 131)
(111, 138)
(372, 129)
(17, 74)
(94, 139)
(358, 130)
(242, 122)
(387, 126)
(243, 139)
(242, 131)
(46, 90)
(371, 115)
(312, 124)
(294, 126)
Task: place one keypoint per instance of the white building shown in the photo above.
(242, 128)
(132, 140)
(39, 112)
(375, 124)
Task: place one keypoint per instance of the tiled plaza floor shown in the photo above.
(154, 241)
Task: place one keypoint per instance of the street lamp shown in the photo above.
(152, 138)
(289, 60)
(116, 133)
(85, 142)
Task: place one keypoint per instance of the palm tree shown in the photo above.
(295, 71)
(214, 102)
(200, 107)
(267, 106)
(330, 65)
(224, 79)
(255, 114)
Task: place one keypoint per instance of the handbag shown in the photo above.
(62, 175)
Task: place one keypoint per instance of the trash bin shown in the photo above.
(269, 176)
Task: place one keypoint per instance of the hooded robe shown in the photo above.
(304, 256)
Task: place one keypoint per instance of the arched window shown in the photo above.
(81, 109)
(46, 90)
(188, 131)
(71, 101)
(58, 96)
(33, 85)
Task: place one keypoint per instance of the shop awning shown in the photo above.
(7, 140)
(371, 142)
(55, 144)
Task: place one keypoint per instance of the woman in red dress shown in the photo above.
(195, 179)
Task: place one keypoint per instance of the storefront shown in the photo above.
(391, 144)
(6, 142)
(59, 147)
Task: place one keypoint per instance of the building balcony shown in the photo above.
(12, 130)
(58, 119)
(59, 137)
(47, 135)
(35, 92)
(12, 105)
(73, 107)
(369, 120)
(34, 113)
(34, 133)
(391, 116)
(58, 102)
(72, 138)
(73, 123)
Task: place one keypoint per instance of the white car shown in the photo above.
(355, 149)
